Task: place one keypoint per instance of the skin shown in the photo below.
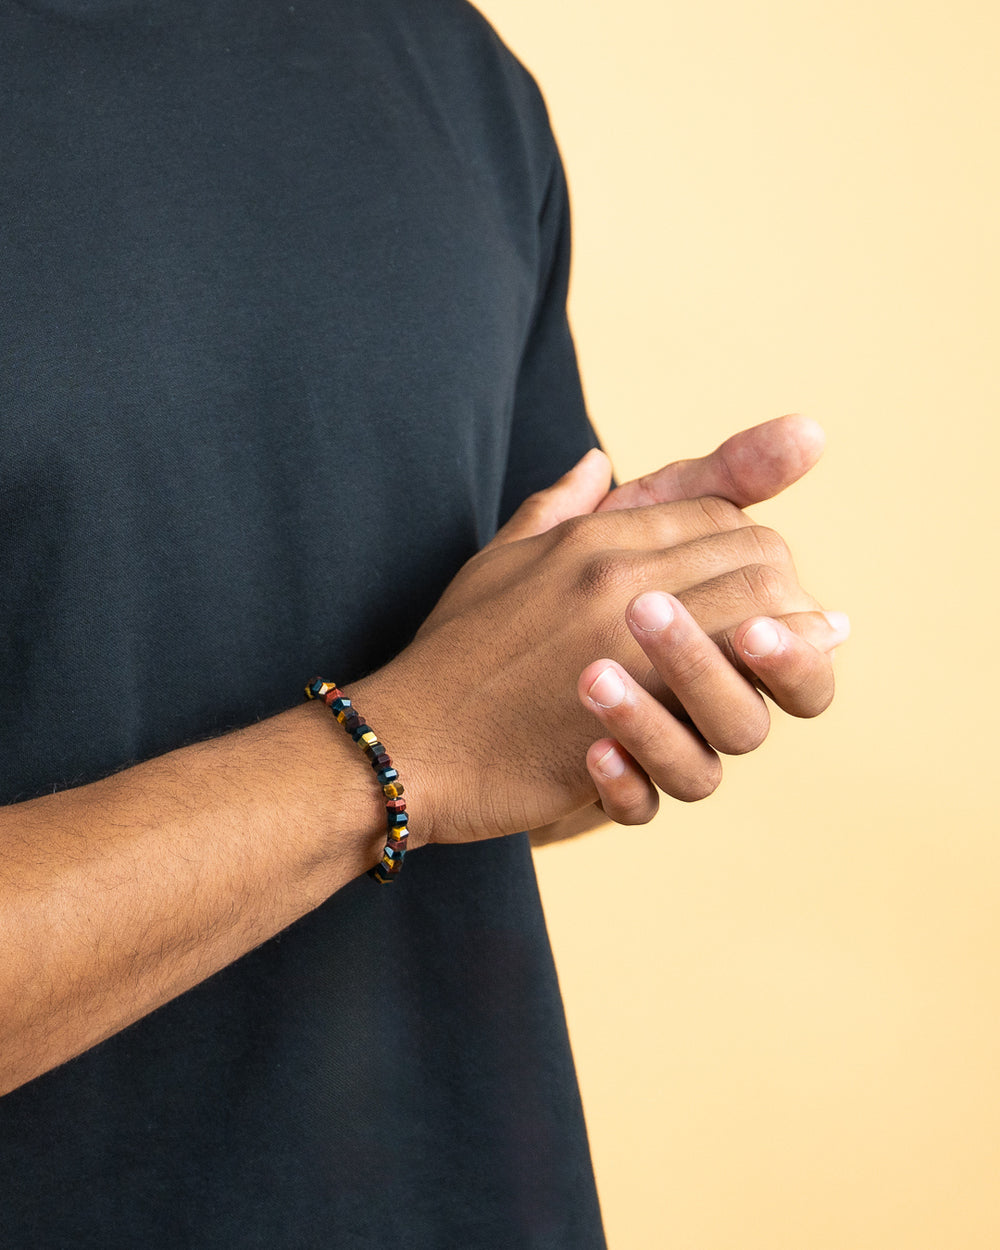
(789, 657)
(117, 896)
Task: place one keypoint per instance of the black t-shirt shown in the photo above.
(283, 338)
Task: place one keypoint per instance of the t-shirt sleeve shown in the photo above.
(550, 429)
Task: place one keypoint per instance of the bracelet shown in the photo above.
(388, 867)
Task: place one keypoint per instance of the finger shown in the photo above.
(824, 630)
(751, 466)
(660, 529)
(798, 677)
(685, 565)
(576, 493)
(721, 603)
(671, 754)
(626, 794)
(724, 707)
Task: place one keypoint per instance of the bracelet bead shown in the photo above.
(388, 867)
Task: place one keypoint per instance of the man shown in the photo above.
(285, 342)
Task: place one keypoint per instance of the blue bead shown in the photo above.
(386, 775)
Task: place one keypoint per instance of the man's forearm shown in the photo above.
(120, 895)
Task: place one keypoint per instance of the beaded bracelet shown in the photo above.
(388, 867)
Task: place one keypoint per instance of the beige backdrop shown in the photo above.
(788, 1033)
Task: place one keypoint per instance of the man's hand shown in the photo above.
(493, 729)
(787, 657)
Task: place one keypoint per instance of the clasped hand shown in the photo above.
(658, 611)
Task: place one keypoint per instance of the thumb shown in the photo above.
(576, 493)
(751, 466)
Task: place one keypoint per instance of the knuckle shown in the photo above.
(571, 533)
(603, 573)
(816, 696)
(538, 505)
(764, 584)
(689, 666)
(636, 809)
(745, 736)
(720, 513)
(701, 783)
(645, 488)
(769, 546)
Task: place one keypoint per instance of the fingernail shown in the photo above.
(608, 689)
(840, 623)
(652, 611)
(611, 764)
(761, 639)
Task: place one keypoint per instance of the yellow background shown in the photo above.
(785, 1001)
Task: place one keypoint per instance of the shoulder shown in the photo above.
(460, 36)
(479, 83)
